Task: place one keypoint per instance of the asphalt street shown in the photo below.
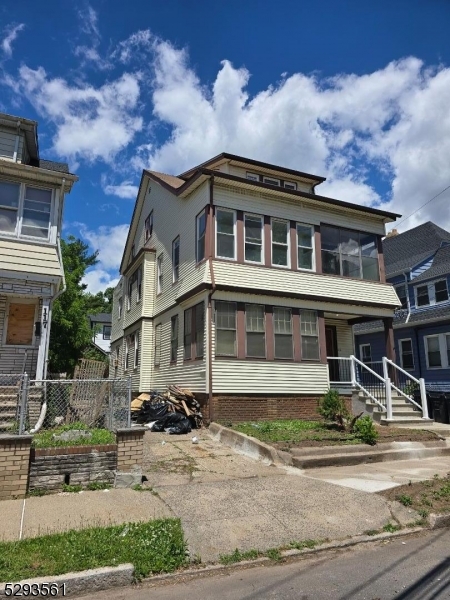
(409, 568)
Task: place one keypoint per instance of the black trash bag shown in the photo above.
(173, 423)
(152, 412)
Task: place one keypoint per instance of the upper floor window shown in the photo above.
(305, 246)
(200, 235)
(176, 259)
(349, 253)
(136, 350)
(119, 308)
(159, 274)
(106, 332)
(402, 294)
(252, 176)
(133, 251)
(225, 233)
(148, 225)
(290, 185)
(271, 181)
(139, 284)
(280, 243)
(253, 238)
(130, 292)
(25, 210)
(432, 293)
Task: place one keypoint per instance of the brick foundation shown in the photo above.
(255, 408)
(51, 468)
(14, 464)
(130, 448)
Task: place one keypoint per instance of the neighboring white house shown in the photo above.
(101, 331)
(31, 272)
(238, 281)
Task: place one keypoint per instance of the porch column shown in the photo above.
(43, 342)
(389, 338)
(322, 338)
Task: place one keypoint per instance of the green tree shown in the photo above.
(100, 302)
(70, 333)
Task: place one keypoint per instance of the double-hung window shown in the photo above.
(255, 331)
(188, 334)
(432, 293)
(225, 328)
(252, 176)
(130, 292)
(309, 330)
(9, 206)
(25, 210)
(422, 295)
(225, 233)
(282, 327)
(280, 243)
(158, 344)
(305, 246)
(253, 226)
(139, 284)
(271, 180)
(200, 235)
(437, 351)
(441, 291)
(402, 294)
(148, 225)
(365, 353)
(194, 327)
(173, 338)
(106, 332)
(290, 185)
(349, 253)
(406, 354)
(159, 274)
(176, 259)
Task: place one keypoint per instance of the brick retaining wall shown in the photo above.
(130, 448)
(251, 408)
(50, 468)
(14, 463)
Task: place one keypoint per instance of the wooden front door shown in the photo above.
(332, 350)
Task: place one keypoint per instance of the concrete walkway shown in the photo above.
(225, 501)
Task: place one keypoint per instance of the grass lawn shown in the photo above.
(98, 437)
(424, 496)
(154, 547)
(285, 434)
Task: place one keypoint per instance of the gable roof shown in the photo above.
(430, 314)
(406, 250)
(440, 265)
(173, 181)
(101, 318)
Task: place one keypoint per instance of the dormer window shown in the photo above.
(290, 185)
(253, 176)
(25, 210)
(271, 181)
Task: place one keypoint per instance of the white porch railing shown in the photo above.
(378, 386)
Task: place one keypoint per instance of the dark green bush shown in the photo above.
(365, 429)
(332, 407)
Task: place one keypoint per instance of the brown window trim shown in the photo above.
(206, 210)
(193, 356)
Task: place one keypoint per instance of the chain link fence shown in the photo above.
(27, 405)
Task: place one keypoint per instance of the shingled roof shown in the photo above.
(439, 267)
(405, 250)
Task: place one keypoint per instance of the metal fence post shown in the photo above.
(23, 403)
(423, 396)
(129, 402)
(388, 399)
(352, 370)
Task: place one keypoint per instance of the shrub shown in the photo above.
(365, 429)
(332, 407)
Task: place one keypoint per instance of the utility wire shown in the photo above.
(417, 209)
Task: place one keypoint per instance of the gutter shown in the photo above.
(213, 289)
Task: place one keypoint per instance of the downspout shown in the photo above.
(213, 289)
(407, 296)
(16, 144)
(49, 318)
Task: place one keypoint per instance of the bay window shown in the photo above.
(25, 210)
(309, 330)
(9, 206)
(225, 233)
(280, 243)
(349, 253)
(253, 226)
(225, 328)
(255, 331)
(282, 326)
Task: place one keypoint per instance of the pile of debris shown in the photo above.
(174, 411)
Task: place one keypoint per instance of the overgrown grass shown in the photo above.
(45, 439)
(154, 547)
(294, 431)
(423, 496)
(272, 553)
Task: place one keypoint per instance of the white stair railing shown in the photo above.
(408, 380)
(384, 386)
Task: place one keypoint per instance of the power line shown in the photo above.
(417, 209)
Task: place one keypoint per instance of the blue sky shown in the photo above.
(357, 91)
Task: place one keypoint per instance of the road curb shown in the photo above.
(327, 456)
(85, 582)
(437, 521)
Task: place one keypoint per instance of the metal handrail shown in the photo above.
(368, 368)
(388, 360)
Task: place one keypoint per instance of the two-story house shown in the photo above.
(32, 194)
(417, 263)
(100, 325)
(238, 281)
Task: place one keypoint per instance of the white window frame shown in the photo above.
(51, 237)
(175, 269)
(445, 359)
(219, 208)
(288, 266)
(13, 300)
(406, 291)
(361, 354)
(400, 349)
(290, 183)
(103, 332)
(148, 226)
(272, 179)
(252, 176)
(313, 248)
(431, 292)
(197, 235)
(261, 218)
(159, 275)
(136, 349)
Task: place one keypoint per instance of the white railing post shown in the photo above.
(352, 370)
(423, 396)
(388, 399)
(385, 368)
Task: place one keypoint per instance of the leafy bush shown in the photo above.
(332, 407)
(365, 429)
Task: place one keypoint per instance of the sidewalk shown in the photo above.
(225, 501)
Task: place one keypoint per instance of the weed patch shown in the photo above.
(98, 437)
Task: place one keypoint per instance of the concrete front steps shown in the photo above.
(403, 413)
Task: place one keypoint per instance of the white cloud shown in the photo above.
(12, 31)
(137, 42)
(97, 280)
(126, 189)
(91, 123)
